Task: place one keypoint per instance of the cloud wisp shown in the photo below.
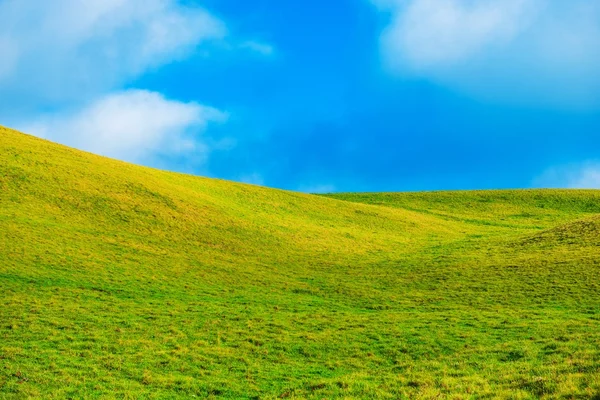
(134, 125)
(584, 175)
(261, 48)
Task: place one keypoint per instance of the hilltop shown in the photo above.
(124, 281)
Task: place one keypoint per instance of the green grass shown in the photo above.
(118, 281)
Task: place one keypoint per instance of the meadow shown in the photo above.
(120, 281)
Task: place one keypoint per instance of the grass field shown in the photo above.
(118, 281)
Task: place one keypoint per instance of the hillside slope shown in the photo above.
(498, 208)
(124, 281)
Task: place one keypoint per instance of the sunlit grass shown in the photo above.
(128, 282)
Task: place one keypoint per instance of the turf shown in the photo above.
(119, 281)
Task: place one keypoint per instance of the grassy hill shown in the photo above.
(119, 281)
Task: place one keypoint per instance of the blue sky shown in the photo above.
(353, 95)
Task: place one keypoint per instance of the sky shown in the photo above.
(315, 96)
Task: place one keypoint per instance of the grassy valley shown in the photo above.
(120, 281)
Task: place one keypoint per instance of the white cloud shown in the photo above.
(430, 33)
(264, 49)
(134, 125)
(65, 49)
(577, 176)
(525, 50)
